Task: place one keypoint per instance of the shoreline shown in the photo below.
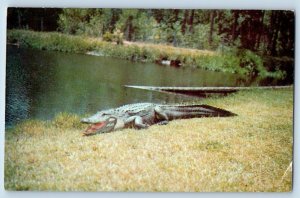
(143, 52)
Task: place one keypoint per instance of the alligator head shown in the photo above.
(101, 122)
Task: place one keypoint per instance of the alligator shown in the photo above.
(143, 115)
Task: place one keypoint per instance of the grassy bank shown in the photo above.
(249, 152)
(246, 63)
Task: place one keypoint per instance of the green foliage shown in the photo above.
(198, 39)
(82, 21)
(117, 37)
(146, 28)
(251, 62)
(108, 37)
(50, 41)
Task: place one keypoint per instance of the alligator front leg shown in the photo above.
(137, 122)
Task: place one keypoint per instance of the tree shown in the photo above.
(212, 19)
(191, 20)
(184, 21)
(234, 26)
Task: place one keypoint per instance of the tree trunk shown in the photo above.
(261, 29)
(191, 21)
(271, 33)
(219, 19)
(274, 26)
(42, 23)
(290, 46)
(113, 20)
(176, 13)
(235, 24)
(183, 25)
(210, 36)
(285, 34)
(19, 19)
(129, 28)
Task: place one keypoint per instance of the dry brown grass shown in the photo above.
(172, 49)
(249, 152)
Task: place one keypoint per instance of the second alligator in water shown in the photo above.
(143, 115)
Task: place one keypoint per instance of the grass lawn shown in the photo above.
(248, 152)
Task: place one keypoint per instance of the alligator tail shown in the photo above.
(218, 111)
(189, 111)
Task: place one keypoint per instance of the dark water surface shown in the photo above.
(40, 84)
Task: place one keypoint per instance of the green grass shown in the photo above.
(244, 64)
(248, 152)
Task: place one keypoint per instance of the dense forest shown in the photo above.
(262, 31)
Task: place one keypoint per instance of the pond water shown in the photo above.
(40, 84)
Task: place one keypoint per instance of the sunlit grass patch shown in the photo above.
(248, 152)
(66, 121)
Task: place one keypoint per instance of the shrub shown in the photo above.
(117, 37)
(251, 62)
(109, 37)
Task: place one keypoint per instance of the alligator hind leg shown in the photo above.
(137, 122)
(161, 116)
